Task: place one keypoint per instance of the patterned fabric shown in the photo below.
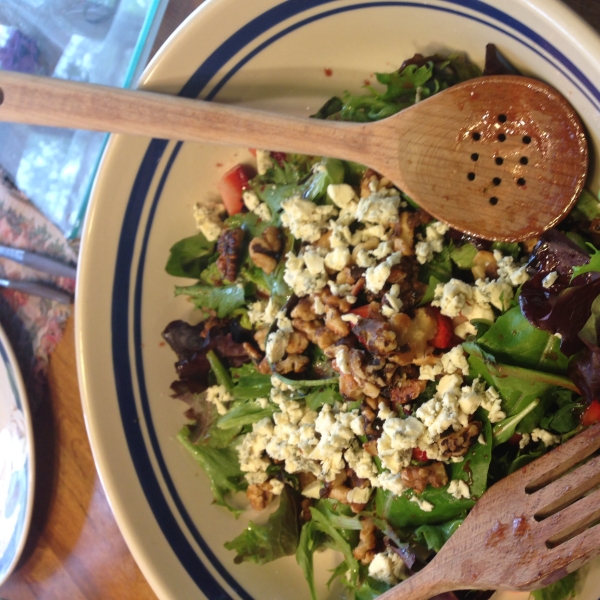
(34, 325)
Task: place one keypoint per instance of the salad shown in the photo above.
(362, 371)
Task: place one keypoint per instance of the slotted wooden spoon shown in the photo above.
(500, 157)
(527, 531)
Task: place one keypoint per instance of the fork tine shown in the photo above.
(575, 552)
(566, 489)
(558, 461)
(571, 520)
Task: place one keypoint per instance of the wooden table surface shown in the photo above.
(75, 550)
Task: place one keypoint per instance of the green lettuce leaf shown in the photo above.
(190, 256)
(223, 299)
(433, 537)
(261, 544)
(564, 589)
(220, 464)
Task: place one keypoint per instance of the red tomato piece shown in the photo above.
(232, 186)
(361, 311)
(591, 415)
(444, 335)
(419, 455)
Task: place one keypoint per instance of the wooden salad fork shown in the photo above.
(526, 532)
(500, 157)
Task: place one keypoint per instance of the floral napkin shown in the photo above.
(34, 325)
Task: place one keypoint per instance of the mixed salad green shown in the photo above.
(363, 371)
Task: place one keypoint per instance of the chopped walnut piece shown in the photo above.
(458, 442)
(375, 335)
(259, 495)
(252, 352)
(365, 550)
(304, 310)
(297, 343)
(310, 328)
(350, 388)
(404, 230)
(417, 478)
(264, 368)
(407, 390)
(333, 321)
(370, 179)
(325, 338)
(229, 249)
(294, 363)
(341, 304)
(260, 336)
(264, 251)
(484, 265)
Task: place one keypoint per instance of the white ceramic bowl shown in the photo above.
(288, 56)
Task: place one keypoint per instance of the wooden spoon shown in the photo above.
(499, 157)
(526, 532)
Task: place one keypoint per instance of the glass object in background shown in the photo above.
(97, 41)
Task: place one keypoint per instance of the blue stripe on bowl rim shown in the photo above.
(122, 322)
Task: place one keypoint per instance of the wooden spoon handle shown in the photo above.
(423, 585)
(59, 103)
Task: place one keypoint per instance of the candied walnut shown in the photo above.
(297, 343)
(412, 336)
(365, 550)
(259, 495)
(261, 337)
(339, 493)
(229, 249)
(264, 251)
(323, 241)
(294, 363)
(370, 179)
(305, 514)
(417, 478)
(407, 391)
(325, 338)
(310, 328)
(349, 275)
(377, 336)
(252, 352)
(350, 388)
(264, 368)
(404, 230)
(304, 310)
(457, 443)
(484, 265)
(371, 447)
(341, 304)
(333, 322)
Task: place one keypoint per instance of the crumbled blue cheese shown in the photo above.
(541, 435)
(342, 360)
(301, 272)
(385, 411)
(388, 567)
(391, 482)
(524, 441)
(507, 270)
(398, 438)
(459, 489)
(379, 208)
(359, 495)
(341, 194)
(262, 313)
(550, 279)
(305, 219)
(276, 486)
(375, 277)
(491, 402)
(433, 242)
(361, 462)
(208, 221)
(338, 258)
(220, 397)
(251, 452)
(394, 303)
(253, 204)
(422, 504)
(263, 161)
(276, 344)
(443, 410)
